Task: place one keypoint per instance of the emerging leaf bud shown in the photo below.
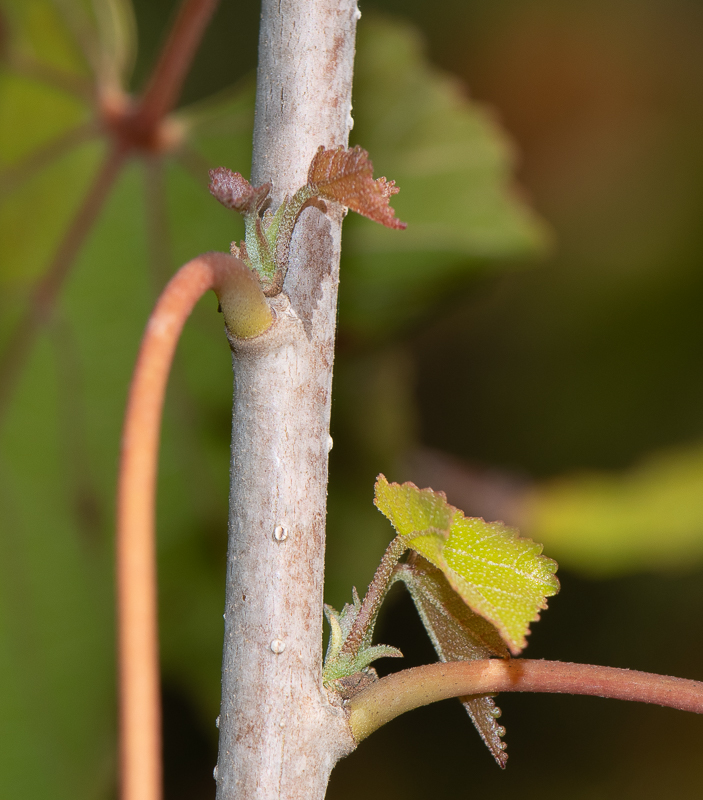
(235, 192)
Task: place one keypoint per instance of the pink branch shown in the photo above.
(411, 688)
(138, 658)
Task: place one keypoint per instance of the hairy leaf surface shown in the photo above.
(346, 176)
(499, 575)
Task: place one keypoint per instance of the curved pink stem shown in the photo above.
(411, 688)
(138, 657)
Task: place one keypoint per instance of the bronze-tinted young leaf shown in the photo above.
(457, 635)
(235, 192)
(498, 574)
(346, 176)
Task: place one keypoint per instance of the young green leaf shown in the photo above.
(457, 635)
(499, 575)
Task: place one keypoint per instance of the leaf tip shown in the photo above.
(381, 482)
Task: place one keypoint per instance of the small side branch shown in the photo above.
(394, 695)
(140, 714)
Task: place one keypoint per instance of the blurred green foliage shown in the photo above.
(650, 516)
(588, 360)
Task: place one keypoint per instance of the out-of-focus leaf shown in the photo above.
(44, 30)
(499, 575)
(453, 166)
(56, 470)
(33, 115)
(59, 467)
(60, 439)
(457, 635)
(648, 518)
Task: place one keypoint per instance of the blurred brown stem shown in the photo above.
(164, 87)
(44, 155)
(29, 67)
(412, 688)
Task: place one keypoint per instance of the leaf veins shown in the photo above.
(346, 176)
(501, 577)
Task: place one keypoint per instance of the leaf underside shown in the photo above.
(499, 575)
(235, 192)
(457, 635)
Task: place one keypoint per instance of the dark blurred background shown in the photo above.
(554, 383)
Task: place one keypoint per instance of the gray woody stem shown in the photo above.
(279, 736)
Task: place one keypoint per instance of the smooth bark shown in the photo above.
(279, 735)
